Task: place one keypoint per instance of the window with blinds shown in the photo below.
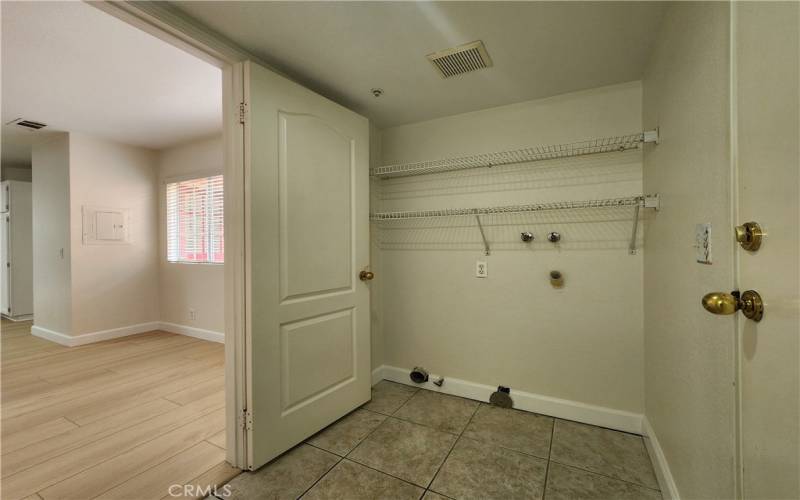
(195, 221)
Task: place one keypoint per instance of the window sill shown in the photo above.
(187, 263)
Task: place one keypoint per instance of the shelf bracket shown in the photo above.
(632, 246)
(651, 136)
(483, 235)
(652, 201)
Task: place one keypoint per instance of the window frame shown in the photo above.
(165, 213)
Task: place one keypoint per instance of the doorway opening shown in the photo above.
(115, 372)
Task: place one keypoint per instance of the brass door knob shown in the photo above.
(366, 275)
(749, 236)
(748, 302)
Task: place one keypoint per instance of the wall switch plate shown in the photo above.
(481, 269)
(702, 243)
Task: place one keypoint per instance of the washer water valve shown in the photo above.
(527, 236)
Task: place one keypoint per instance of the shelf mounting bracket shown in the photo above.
(632, 246)
(483, 235)
(651, 136)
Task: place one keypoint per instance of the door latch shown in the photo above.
(749, 236)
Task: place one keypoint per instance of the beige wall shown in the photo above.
(689, 355)
(16, 174)
(190, 286)
(583, 342)
(376, 323)
(52, 306)
(103, 287)
(113, 285)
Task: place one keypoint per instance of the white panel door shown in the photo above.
(767, 42)
(308, 352)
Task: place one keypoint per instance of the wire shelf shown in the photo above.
(512, 209)
(536, 153)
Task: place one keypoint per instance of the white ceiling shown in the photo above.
(343, 49)
(79, 69)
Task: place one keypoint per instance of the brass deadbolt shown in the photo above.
(366, 275)
(749, 236)
(748, 302)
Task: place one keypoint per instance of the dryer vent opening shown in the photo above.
(419, 375)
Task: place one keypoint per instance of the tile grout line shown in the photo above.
(549, 453)
(453, 446)
(571, 466)
(394, 415)
(322, 476)
(385, 473)
(341, 458)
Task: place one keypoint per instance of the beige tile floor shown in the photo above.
(410, 444)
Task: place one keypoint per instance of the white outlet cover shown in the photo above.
(481, 269)
(702, 244)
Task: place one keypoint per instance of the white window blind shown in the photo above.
(195, 221)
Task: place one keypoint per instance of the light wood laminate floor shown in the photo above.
(120, 419)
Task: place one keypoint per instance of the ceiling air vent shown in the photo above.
(27, 124)
(461, 59)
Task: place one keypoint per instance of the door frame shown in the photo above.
(169, 25)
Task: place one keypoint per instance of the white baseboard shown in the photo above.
(377, 374)
(193, 332)
(669, 490)
(16, 319)
(89, 338)
(546, 405)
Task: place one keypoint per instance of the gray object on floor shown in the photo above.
(502, 398)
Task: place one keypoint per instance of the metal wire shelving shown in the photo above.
(525, 155)
(508, 209)
(637, 202)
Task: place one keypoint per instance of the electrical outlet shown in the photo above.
(192, 314)
(481, 269)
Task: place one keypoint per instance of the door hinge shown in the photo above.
(246, 420)
(242, 112)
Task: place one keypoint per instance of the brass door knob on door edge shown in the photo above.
(749, 302)
(366, 275)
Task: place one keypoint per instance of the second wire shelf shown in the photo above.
(638, 202)
(649, 201)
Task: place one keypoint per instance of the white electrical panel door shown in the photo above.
(109, 226)
(105, 226)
